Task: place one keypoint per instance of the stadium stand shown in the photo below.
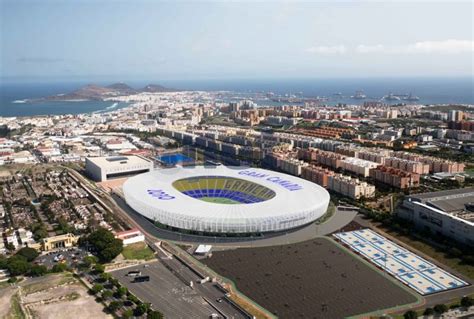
(226, 190)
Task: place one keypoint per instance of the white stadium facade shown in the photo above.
(226, 200)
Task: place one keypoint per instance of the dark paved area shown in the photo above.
(166, 292)
(71, 257)
(312, 279)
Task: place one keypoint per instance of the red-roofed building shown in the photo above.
(131, 236)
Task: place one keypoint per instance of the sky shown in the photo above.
(45, 39)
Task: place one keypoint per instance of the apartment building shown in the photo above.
(316, 174)
(395, 177)
(408, 166)
(350, 187)
(358, 166)
(437, 165)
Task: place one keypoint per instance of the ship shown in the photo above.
(359, 95)
(411, 97)
(391, 97)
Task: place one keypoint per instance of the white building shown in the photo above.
(129, 237)
(449, 213)
(104, 168)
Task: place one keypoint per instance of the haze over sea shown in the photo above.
(430, 91)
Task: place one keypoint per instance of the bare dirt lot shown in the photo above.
(6, 307)
(52, 296)
(312, 279)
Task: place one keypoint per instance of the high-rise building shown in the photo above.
(455, 116)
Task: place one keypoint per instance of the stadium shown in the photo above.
(225, 200)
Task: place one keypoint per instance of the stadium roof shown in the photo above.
(296, 202)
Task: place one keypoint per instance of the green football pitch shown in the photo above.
(218, 200)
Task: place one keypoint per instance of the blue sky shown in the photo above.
(208, 40)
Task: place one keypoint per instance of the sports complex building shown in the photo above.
(220, 199)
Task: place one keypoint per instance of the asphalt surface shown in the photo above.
(71, 256)
(166, 292)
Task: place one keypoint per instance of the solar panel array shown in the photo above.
(412, 270)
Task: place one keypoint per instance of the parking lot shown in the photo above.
(165, 291)
(69, 256)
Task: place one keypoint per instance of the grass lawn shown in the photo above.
(435, 253)
(218, 200)
(138, 251)
(470, 171)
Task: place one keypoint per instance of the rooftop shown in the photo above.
(111, 161)
(448, 201)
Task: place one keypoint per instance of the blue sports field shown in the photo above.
(172, 159)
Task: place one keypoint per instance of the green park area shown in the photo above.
(138, 251)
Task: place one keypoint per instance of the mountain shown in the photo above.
(96, 92)
(155, 88)
(122, 87)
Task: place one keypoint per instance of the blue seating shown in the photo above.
(224, 193)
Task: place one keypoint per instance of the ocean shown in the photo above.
(12, 95)
(429, 90)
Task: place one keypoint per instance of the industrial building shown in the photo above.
(449, 213)
(104, 168)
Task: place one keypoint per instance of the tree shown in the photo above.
(3, 262)
(17, 265)
(127, 314)
(440, 308)
(121, 291)
(105, 245)
(59, 268)
(410, 314)
(140, 309)
(154, 315)
(107, 294)
(29, 253)
(99, 268)
(103, 277)
(97, 288)
(38, 270)
(114, 306)
(133, 299)
(467, 302)
(428, 312)
(89, 261)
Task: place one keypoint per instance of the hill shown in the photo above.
(96, 92)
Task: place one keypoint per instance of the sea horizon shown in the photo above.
(450, 90)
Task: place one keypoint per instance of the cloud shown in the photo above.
(39, 60)
(450, 46)
(362, 48)
(322, 49)
(447, 46)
